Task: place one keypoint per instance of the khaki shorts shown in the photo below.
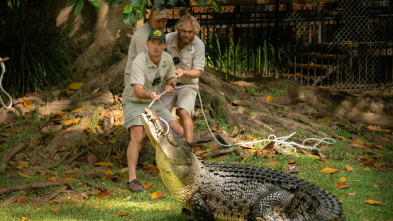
(184, 97)
(133, 111)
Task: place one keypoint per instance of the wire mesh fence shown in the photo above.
(345, 44)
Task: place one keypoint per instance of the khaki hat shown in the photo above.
(157, 33)
(158, 14)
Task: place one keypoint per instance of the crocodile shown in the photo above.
(218, 191)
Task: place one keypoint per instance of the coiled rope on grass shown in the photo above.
(280, 141)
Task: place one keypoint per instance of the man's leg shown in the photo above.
(186, 122)
(138, 140)
(177, 127)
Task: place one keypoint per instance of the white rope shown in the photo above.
(1, 83)
(280, 141)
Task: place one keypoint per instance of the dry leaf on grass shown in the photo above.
(51, 179)
(108, 172)
(55, 209)
(379, 164)
(102, 194)
(27, 104)
(147, 186)
(24, 218)
(77, 110)
(75, 86)
(341, 185)
(22, 164)
(342, 179)
(108, 164)
(372, 202)
(157, 195)
(351, 194)
(54, 201)
(124, 170)
(3, 186)
(349, 168)
(269, 98)
(150, 169)
(24, 175)
(329, 170)
(367, 169)
(22, 199)
(121, 214)
(72, 121)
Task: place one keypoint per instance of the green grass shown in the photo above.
(81, 202)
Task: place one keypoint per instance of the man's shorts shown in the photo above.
(133, 111)
(184, 97)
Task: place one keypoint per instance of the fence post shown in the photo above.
(276, 39)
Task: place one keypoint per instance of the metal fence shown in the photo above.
(344, 44)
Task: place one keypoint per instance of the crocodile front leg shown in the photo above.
(270, 206)
(199, 208)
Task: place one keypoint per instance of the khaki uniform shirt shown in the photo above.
(144, 71)
(137, 45)
(192, 56)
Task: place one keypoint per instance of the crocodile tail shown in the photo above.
(316, 203)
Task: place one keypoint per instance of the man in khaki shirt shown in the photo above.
(188, 52)
(157, 20)
(149, 70)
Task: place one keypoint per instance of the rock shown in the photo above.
(7, 114)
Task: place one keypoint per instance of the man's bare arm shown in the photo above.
(142, 94)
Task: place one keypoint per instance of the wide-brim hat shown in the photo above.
(157, 33)
(158, 13)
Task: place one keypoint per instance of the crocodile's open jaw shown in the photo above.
(168, 144)
(153, 126)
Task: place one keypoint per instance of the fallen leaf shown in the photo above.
(78, 110)
(216, 128)
(69, 186)
(102, 194)
(24, 218)
(96, 191)
(269, 146)
(271, 163)
(108, 172)
(121, 156)
(108, 164)
(269, 98)
(72, 121)
(378, 156)
(55, 209)
(349, 168)
(342, 179)
(290, 161)
(147, 186)
(374, 128)
(22, 164)
(75, 86)
(124, 170)
(329, 170)
(24, 175)
(372, 202)
(69, 92)
(150, 169)
(157, 195)
(61, 149)
(351, 194)
(3, 186)
(92, 158)
(54, 201)
(121, 214)
(341, 185)
(369, 162)
(51, 179)
(379, 164)
(341, 138)
(22, 199)
(367, 169)
(26, 103)
(68, 179)
(118, 116)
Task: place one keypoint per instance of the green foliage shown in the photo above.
(40, 52)
(236, 58)
(139, 6)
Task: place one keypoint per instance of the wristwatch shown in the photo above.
(173, 85)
